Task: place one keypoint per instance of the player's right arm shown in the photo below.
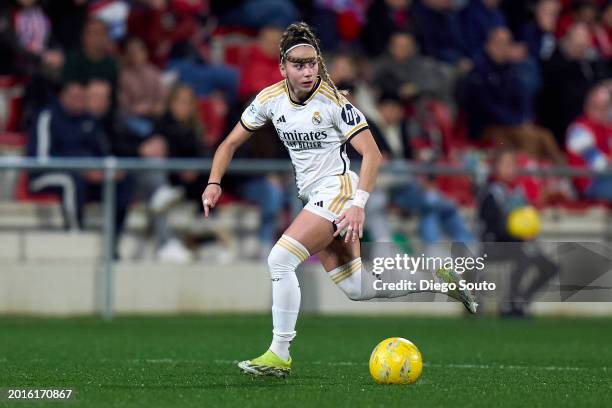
(221, 160)
(254, 117)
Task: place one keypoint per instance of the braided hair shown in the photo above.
(302, 33)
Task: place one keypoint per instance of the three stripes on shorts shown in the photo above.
(345, 194)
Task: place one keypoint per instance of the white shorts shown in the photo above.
(331, 196)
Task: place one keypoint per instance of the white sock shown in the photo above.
(355, 281)
(283, 261)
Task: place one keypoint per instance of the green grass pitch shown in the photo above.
(189, 361)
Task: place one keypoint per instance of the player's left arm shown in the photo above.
(354, 218)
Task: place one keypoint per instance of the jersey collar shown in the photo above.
(310, 95)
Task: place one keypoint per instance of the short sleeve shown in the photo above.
(349, 120)
(254, 116)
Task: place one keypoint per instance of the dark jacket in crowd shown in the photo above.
(565, 85)
(121, 140)
(439, 34)
(79, 68)
(432, 78)
(540, 44)
(56, 133)
(478, 20)
(407, 149)
(381, 24)
(182, 140)
(496, 95)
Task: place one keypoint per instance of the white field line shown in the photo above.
(459, 366)
(352, 363)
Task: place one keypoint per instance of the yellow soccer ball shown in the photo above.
(524, 223)
(396, 361)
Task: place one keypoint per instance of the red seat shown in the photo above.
(229, 30)
(458, 187)
(23, 194)
(12, 140)
(231, 45)
(213, 112)
(235, 54)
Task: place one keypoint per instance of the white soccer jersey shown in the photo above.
(314, 131)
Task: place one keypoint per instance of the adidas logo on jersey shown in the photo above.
(281, 119)
(319, 204)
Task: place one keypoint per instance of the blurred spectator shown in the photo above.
(114, 13)
(437, 214)
(162, 25)
(141, 93)
(206, 79)
(589, 144)
(339, 22)
(181, 131)
(413, 75)
(99, 100)
(179, 134)
(43, 86)
(25, 33)
(152, 185)
(572, 70)
(65, 129)
(32, 27)
(347, 73)
(603, 32)
(499, 100)
(539, 34)
(580, 11)
(255, 13)
(500, 197)
(439, 31)
(343, 69)
(190, 64)
(503, 193)
(384, 18)
(93, 59)
(260, 68)
(479, 18)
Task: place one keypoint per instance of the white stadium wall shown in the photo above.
(72, 288)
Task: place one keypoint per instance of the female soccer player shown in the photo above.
(315, 122)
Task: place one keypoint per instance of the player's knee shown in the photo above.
(277, 261)
(286, 255)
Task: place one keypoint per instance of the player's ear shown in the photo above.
(282, 70)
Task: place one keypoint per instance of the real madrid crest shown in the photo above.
(316, 118)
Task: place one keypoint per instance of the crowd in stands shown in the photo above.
(439, 80)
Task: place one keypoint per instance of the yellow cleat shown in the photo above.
(267, 364)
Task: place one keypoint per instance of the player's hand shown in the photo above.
(210, 196)
(352, 222)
